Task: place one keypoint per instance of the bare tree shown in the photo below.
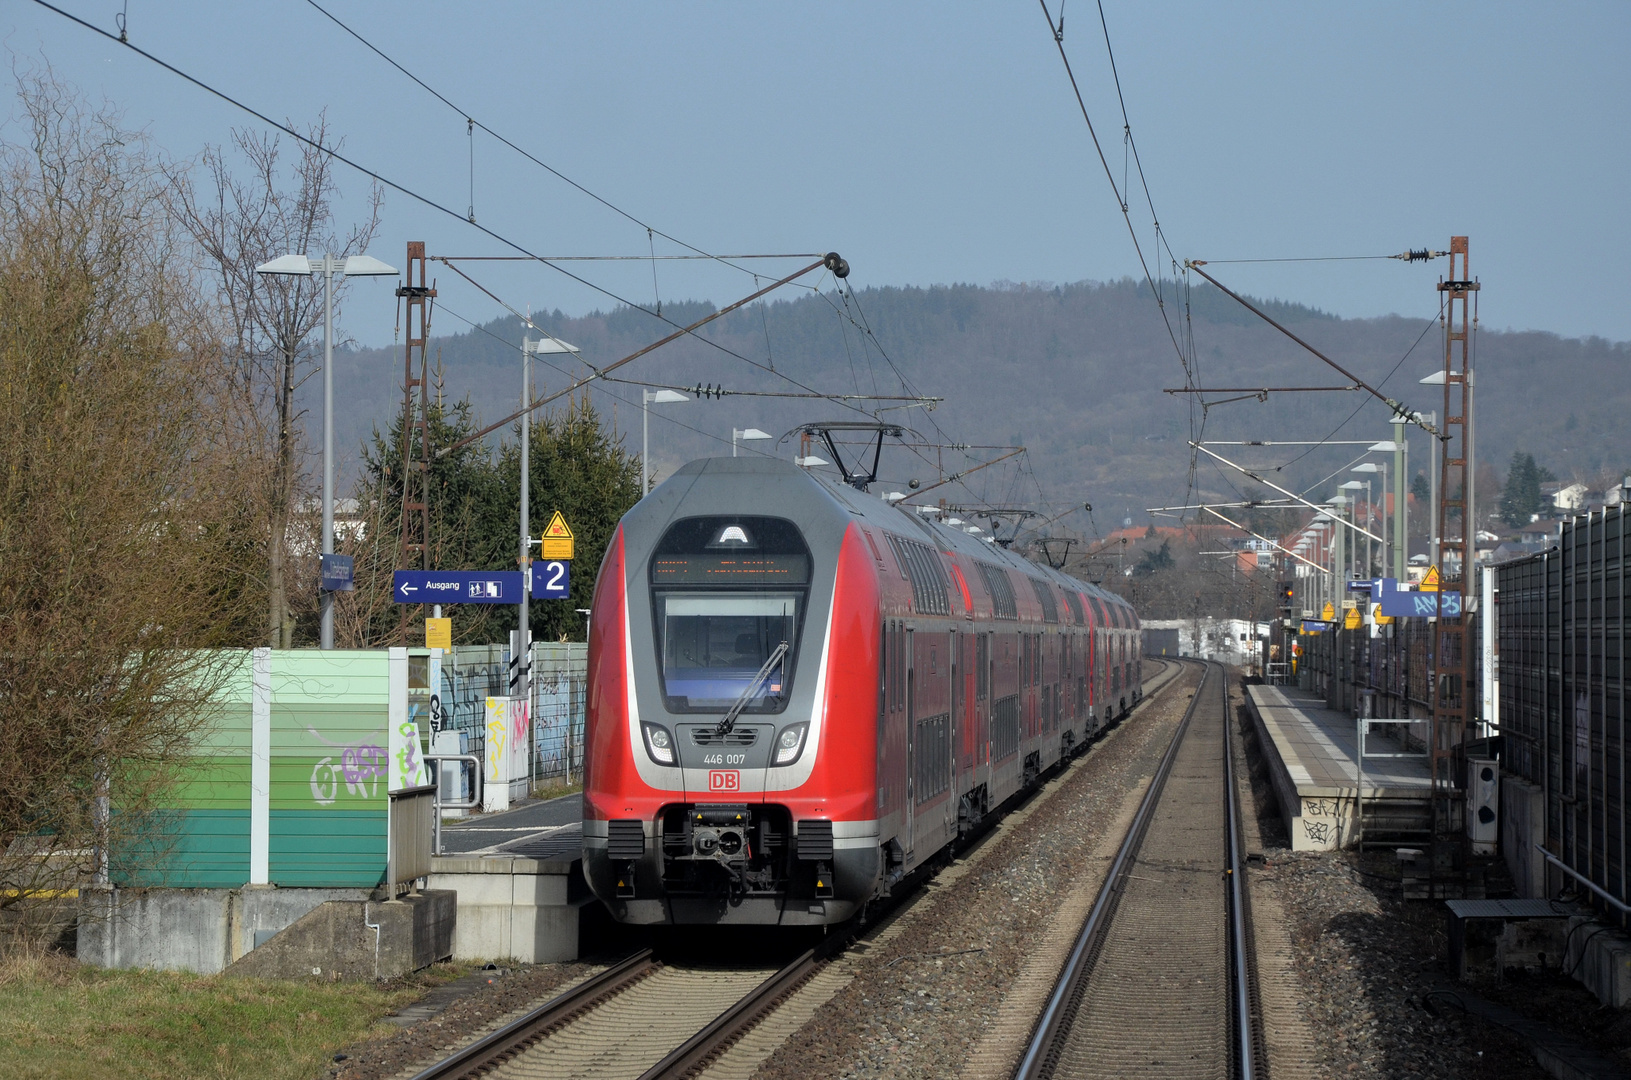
(120, 504)
(275, 322)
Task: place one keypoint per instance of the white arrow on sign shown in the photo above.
(409, 588)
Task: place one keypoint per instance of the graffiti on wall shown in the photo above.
(360, 768)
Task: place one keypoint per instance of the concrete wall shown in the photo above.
(167, 929)
(1522, 827)
(359, 939)
(201, 930)
(510, 908)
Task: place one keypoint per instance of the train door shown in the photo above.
(954, 719)
(910, 658)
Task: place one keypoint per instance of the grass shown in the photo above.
(58, 1019)
(554, 789)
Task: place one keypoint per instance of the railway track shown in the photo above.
(647, 1019)
(1159, 982)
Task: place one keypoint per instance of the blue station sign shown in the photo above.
(456, 587)
(1402, 604)
(338, 572)
(552, 580)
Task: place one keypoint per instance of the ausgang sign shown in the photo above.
(456, 587)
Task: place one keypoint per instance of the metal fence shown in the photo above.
(1563, 691)
(473, 673)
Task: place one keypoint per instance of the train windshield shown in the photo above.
(715, 644)
(726, 592)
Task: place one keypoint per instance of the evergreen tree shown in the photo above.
(1155, 560)
(580, 468)
(1521, 497)
(1420, 488)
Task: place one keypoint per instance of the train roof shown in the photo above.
(906, 521)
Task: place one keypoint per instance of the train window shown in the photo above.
(923, 566)
(883, 665)
(1074, 602)
(714, 645)
(1001, 591)
(982, 666)
(727, 592)
(1044, 597)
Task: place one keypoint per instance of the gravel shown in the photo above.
(1365, 959)
(920, 1003)
(927, 992)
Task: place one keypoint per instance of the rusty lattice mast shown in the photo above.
(1455, 526)
(417, 292)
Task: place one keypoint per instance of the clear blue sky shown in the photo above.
(939, 142)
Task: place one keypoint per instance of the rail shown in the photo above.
(705, 1044)
(1042, 1053)
(514, 1037)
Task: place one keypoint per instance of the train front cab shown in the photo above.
(770, 819)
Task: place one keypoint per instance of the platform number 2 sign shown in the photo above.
(552, 580)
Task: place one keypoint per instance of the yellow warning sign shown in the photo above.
(439, 633)
(1430, 582)
(1329, 613)
(557, 541)
(1381, 620)
(1352, 621)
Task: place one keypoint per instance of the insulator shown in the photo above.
(835, 262)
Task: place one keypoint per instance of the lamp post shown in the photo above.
(1401, 502)
(1356, 486)
(649, 398)
(523, 624)
(1372, 467)
(751, 434)
(328, 266)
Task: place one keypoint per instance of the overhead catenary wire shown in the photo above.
(599, 385)
(474, 123)
(468, 217)
(600, 373)
(1110, 176)
(1360, 407)
(397, 186)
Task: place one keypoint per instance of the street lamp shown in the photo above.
(328, 266)
(647, 399)
(523, 625)
(810, 461)
(751, 434)
(1356, 486)
(1371, 467)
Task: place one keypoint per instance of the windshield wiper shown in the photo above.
(727, 722)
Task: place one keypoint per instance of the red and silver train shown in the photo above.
(799, 692)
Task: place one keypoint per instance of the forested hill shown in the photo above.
(1073, 372)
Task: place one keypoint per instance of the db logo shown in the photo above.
(724, 780)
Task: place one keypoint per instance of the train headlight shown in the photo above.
(659, 744)
(790, 743)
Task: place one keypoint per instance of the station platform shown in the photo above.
(1311, 751)
(519, 879)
